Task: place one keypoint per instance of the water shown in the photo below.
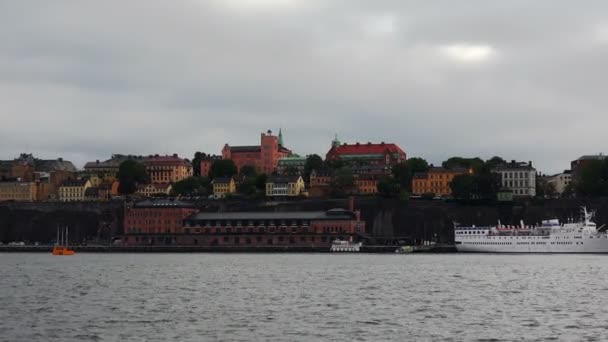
(302, 297)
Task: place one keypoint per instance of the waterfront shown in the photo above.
(302, 297)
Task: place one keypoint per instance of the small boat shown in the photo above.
(62, 246)
(345, 246)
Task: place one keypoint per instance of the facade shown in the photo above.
(436, 181)
(319, 184)
(26, 166)
(206, 163)
(263, 157)
(150, 219)
(108, 169)
(577, 165)
(167, 169)
(18, 191)
(73, 190)
(367, 184)
(560, 181)
(223, 186)
(149, 190)
(253, 229)
(519, 177)
(379, 158)
(284, 186)
(292, 165)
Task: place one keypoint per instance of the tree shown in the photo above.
(389, 187)
(260, 181)
(404, 172)
(192, 185)
(131, 173)
(222, 168)
(494, 162)
(342, 181)
(248, 186)
(248, 171)
(196, 163)
(466, 163)
(313, 162)
(463, 186)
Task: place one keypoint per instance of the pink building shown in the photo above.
(263, 157)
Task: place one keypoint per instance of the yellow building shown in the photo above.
(223, 186)
(71, 191)
(149, 190)
(284, 186)
(167, 169)
(367, 184)
(18, 191)
(436, 181)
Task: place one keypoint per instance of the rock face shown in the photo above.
(387, 221)
(91, 222)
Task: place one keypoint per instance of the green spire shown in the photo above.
(335, 142)
(280, 138)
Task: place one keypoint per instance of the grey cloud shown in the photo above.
(85, 79)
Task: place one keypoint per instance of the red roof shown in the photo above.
(366, 149)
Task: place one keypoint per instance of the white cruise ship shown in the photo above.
(550, 237)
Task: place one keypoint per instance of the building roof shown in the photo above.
(162, 203)
(55, 165)
(333, 214)
(592, 157)
(238, 149)
(283, 179)
(172, 160)
(157, 186)
(438, 169)
(77, 182)
(369, 148)
(520, 166)
(222, 180)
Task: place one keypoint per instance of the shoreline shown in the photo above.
(219, 249)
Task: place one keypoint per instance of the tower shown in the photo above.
(281, 138)
(335, 142)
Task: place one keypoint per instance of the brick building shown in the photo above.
(155, 221)
(376, 158)
(263, 157)
(206, 163)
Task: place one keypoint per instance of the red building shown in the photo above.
(370, 158)
(206, 163)
(263, 157)
(315, 229)
(147, 221)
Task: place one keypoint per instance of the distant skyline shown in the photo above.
(519, 79)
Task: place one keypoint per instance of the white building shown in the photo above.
(560, 181)
(518, 177)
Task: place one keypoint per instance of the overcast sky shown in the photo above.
(524, 80)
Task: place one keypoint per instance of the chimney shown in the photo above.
(175, 155)
(97, 161)
(530, 163)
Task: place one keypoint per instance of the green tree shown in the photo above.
(389, 187)
(248, 171)
(343, 182)
(404, 172)
(260, 182)
(192, 185)
(313, 162)
(248, 186)
(467, 163)
(131, 173)
(222, 168)
(494, 162)
(463, 186)
(196, 163)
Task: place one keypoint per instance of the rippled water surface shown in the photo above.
(302, 297)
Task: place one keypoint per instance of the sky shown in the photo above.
(523, 80)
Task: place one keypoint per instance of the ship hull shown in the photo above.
(533, 244)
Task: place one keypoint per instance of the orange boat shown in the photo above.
(62, 246)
